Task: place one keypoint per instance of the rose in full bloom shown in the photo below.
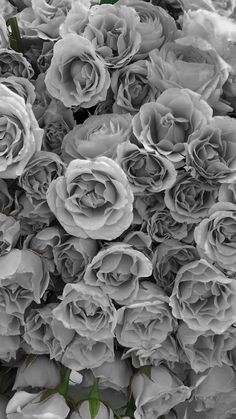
(43, 18)
(116, 28)
(144, 324)
(189, 199)
(167, 123)
(76, 18)
(156, 396)
(84, 412)
(132, 88)
(86, 310)
(203, 297)
(117, 269)
(99, 135)
(189, 65)
(147, 170)
(19, 131)
(24, 405)
(41, 372)
(21, 86)
(211, 151)
(93, 199)
(153, 19)
(161, 227)
(23, 279)
(13, 63)
(168, 258)
(216, 236)
(72, 255)
(77, 75)
(206, 350)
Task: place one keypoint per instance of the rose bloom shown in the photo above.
(211, 151)
(86, 310)
(99, 135)
(189, 65)
(189, 199)
(204, 351)
(215, 236)
(24, 405)
(13, 63)
(93, 199)
(84, 411)
(21, 86)
(147, 170)
(23, 279)
(20, 133)
(77, 75)
(117, 269)
(156, 396)
(167, 123)
(153, 19)
(204, 298)
(131, 87)
(116, 28)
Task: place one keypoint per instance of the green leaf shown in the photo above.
(64, 386)
(94, 405)
(146, 369)
(48, 393)
(14, 36)
(30, 359)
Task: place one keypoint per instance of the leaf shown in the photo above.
(30, 359)
(14, 36)
(48, 393)
(146, 369)
(94, 405)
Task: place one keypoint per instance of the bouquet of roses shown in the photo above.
(117, 209)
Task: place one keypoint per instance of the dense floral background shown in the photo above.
(117, 209)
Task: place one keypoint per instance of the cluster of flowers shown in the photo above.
(118, 209)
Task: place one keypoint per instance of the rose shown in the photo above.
(191, 65)
(153, 19)
(57, 122)
(86, 310)
(39, 173)
(145, 206)
(14, 63)
(156, 396)
(161, 226)
(99, 135)
(38, 337)
(42, 100)
(204, 298)
(217, 143)
(9, 233)
(26, 405)
(191, 5)
(74, 58)
(189, 200)
(84, 412)
(131, 87)
(23, 279)
(43, 19)
(167, 123)
(166, 351)
(147, 171)
(21, 86)
(45, 57)
(117, 269)
(227, 192)
(20, 133)
(33, 216)
(206, 350)
(4, 38)
(93, 199)
(41, 372)
(76, 18)
(115, 27)
(143, 325)
(220, 34)
(168, 258)
(215, 236)
(213, 390)
(44, 243)
(72, 255)
(7, 9)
